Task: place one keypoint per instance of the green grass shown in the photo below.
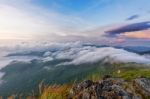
(132, 74)
(131, 71)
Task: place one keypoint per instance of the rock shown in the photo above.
(142, 85)
(112, 88)
(108, 88)
(86, 95)
(85, 84)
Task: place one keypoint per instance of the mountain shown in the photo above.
(21, 77)
(138, 49)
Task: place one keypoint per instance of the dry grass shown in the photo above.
(56, 92)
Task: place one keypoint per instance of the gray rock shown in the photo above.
(112, 88)
(85, 84)
(143, 86)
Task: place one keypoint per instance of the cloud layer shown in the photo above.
(109, 54)
(79, 53)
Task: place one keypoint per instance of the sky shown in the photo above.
(110, 22)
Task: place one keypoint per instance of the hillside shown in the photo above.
(125, 74)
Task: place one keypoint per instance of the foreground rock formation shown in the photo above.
(112, 88)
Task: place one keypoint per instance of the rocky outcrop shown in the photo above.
(142, 86)
(112, 88)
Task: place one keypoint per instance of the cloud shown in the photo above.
(73, 53)
(109, 54)
(79, 53)
(15, 22)
(133, 17)
(46, 59)
(145, 34)
(119, 40)
(48, 53)
(129, 28)
(22, 19)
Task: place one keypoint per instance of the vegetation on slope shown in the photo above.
(59, 81)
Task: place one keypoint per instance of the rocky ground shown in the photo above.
(112, 88)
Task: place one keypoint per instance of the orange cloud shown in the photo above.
(139, 34)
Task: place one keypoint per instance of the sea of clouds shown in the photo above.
(77, 52)
(80, 53)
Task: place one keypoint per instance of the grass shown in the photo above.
(48, 92)
(131, 71)
(56, 92)
(132, 74)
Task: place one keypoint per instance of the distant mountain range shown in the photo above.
(138, 49)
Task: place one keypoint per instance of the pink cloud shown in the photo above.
(119, 40)
(145, 34)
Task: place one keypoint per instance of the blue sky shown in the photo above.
(72, 20)
(97, 11)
